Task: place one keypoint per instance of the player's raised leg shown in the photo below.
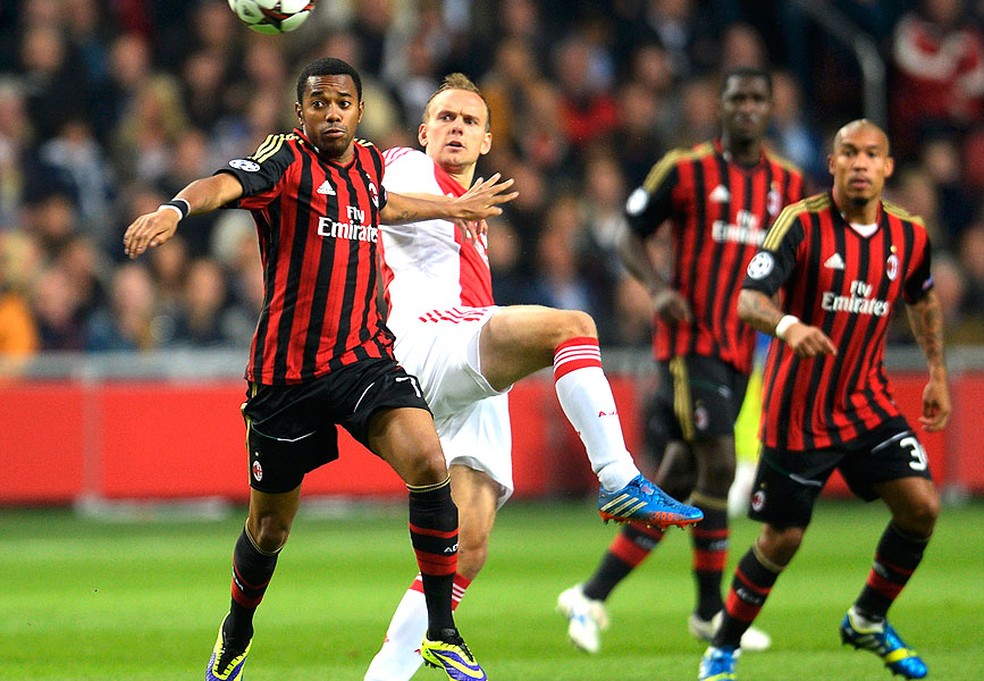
(522, 339)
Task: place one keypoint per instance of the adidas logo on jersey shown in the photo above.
(720, 194)
(326, 189)
(834, 262)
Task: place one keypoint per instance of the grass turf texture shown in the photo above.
(141, 601)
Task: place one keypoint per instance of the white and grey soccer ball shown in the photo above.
(272, 16)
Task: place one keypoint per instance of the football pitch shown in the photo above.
(141, 600)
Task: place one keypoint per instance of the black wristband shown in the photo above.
(181, 205)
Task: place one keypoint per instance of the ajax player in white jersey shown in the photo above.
(467, 353)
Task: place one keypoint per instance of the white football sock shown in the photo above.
(399, 657)
(586, 398)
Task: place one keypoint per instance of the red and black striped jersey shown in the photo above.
(833, 277)
(719, 212)
(318, 227)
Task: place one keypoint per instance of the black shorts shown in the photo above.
(787, 484)
(697, 398)
(291, 429)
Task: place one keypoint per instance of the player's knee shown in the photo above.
(718, 473)
(779, 545)
(919, 519)
(270, 533)
(576, 324)
(427, 468)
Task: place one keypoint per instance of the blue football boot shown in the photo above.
(884, 642)
(642, 501)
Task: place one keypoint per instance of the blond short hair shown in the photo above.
(459, 81)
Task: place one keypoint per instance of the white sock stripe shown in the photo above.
(452, 315)
(580, 352)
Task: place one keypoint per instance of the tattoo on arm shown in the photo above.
(926, 320)
(759, 310)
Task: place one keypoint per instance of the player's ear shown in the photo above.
(422, 135)
(889, 166)
(299, 112)
(831, 164)
(486, 143)
(362, 109)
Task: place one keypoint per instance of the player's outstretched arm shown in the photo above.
(762, 313)
(926, 320)
(201, 196)
(481, 201)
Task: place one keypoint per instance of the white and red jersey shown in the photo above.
(430, 265)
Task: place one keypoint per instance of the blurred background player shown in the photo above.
(719, 198)
(824, 283)
(467, 353)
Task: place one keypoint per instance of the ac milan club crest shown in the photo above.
(892, 266)
(257, 471)
(758, 500)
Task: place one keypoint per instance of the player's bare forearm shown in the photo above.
(759, 310)
(926, 321)
(202, 195)
(634, 254)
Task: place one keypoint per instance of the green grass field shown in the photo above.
(141, 601)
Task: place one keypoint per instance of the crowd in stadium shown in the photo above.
(109, 107)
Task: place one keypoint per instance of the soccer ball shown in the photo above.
(272, 16)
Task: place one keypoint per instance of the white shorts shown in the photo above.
(472, 418)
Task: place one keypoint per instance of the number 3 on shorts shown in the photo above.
(919, 461)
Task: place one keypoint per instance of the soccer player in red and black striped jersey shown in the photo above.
(719, 199)
(321, 354)
(825, 283)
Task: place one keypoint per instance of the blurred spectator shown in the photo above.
(698, 114)
(51, 77)
(942, 159)
(684, 33)
(508, 87)
(191, 159)
(961, 327)
(18, 328)
(149, 129)
(87, 270)
(633, 314)
(131, 322)
(509, 286)
(52, 219)
(16, 135)
(637, 140)
(77, 160)
(971, 257)
(939, 60)
(794, 135)
(57, 306)
(542, 138)
(587, 106)
(245, 291)
(914, 188)
(200, 320)
(169, 265)
(602, 209)
(558, 280)
(741, 45)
